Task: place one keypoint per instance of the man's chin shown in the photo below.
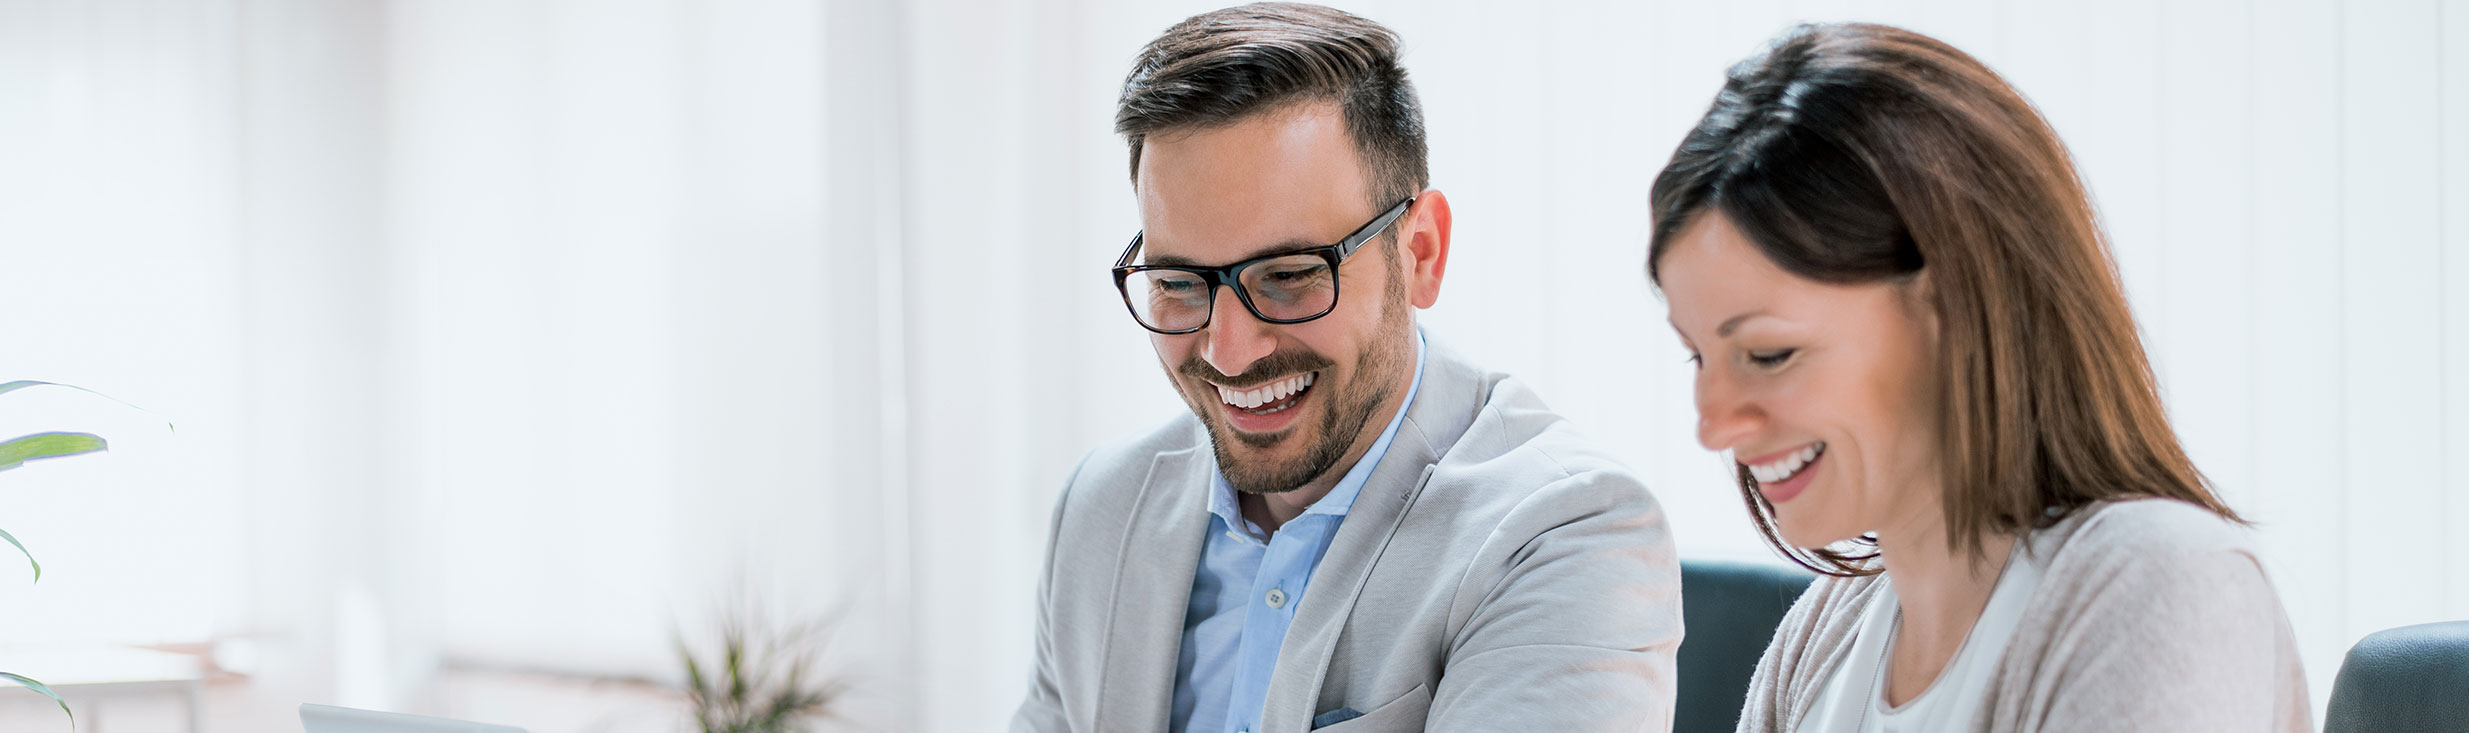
(1263, 457)
(1264, 444)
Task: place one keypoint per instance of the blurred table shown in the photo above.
(90, 677)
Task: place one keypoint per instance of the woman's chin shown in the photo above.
(1810, 535)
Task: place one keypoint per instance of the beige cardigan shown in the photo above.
(2153, 615)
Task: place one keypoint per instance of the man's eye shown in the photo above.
(1288, 276)
(1771, 359)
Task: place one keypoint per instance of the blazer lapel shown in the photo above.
(1451, 394)
(1155, 560)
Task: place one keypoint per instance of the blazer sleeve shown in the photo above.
(1576, 616)
(1042, 711)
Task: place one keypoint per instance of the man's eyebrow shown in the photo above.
(1290, 245)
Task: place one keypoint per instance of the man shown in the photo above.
(1354, 525)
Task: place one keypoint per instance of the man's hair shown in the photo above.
(1218, 68)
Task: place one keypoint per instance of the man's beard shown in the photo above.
(1379, 366)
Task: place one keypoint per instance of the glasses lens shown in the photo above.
(1292, 287)
(1169, 300)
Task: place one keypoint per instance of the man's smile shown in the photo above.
(1266, 408)
(1267, 398)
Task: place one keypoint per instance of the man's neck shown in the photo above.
(1271, 511)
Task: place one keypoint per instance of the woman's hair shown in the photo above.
(1852, 153)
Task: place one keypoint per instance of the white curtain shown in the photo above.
(521, 334)
(119, 271)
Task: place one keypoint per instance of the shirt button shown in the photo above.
(1277, 598)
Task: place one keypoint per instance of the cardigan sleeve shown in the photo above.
(1814, 635)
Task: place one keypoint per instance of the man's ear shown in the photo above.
(1425, 243)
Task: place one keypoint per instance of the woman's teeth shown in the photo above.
(1787, 467)
(1267, 393)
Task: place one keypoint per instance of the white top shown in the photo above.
(1853, 698)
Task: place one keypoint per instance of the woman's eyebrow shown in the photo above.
(1733, 323)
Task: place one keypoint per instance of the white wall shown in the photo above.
(121, 270)
(512, 334)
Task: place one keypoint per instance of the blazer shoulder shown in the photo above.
(1521, 475)
(1111, 474)
(1517, 445)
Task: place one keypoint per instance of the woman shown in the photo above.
(1912, 341)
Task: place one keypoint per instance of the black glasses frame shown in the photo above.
(1231, 276)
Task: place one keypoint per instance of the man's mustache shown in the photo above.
(1269, 368)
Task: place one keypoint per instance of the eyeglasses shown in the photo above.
(1289, 287)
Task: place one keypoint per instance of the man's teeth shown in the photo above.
(1265, 394)
(1788, 466)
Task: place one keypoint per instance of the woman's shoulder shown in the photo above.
(2155, 614)
(2145, 563)
(2142, 530)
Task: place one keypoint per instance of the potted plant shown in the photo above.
(16, 452)
(762, 680)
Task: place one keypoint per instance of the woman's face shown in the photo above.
(1825, 392)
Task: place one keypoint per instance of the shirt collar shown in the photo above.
(1341, 498)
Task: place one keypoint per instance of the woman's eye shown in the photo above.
(1771, 359)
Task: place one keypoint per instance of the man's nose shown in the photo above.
(1234, 338)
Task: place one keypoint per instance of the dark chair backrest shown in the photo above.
(2413, 678)
(1731, 610)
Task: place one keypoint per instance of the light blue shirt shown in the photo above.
(1246, 591)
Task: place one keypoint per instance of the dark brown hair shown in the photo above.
(1864, 153)
(1221, 67)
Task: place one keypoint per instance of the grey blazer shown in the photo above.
(1498, 572)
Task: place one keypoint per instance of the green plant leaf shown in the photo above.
(55, 697)
(39, 446)
(7, 387)
(24, 383)
(21, 547)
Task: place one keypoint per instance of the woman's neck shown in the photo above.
(1941, 594)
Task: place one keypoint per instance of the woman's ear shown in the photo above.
(1919, 298)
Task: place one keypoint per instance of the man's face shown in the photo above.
(1280, 181)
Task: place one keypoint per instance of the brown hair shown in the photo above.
(1220, 67)
(1864, 153)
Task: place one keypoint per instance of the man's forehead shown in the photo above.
(1268, 183)
(1223, 230)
